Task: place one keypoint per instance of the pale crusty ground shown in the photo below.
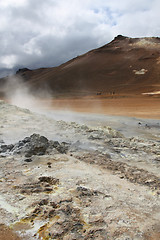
(122, 208)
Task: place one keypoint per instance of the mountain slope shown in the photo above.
(125, 65)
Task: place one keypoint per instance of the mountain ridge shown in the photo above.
(125, 65)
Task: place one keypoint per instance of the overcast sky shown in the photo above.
(45, 33)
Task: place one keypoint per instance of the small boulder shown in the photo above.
(33, 145)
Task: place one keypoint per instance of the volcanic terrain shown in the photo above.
(123, 66)
(65, 180)
(67, 175)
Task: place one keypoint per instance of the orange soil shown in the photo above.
(7, 234)
(132, 106)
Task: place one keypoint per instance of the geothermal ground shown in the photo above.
(80, 179)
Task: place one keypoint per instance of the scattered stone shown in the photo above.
(131, 173)
(73, 209)
(34, 145)
(50, 180)
(28, 160)
(6, 148)
(83, 191)
(43, 185)
(43, 202)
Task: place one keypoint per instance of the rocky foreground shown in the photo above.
(62, 180)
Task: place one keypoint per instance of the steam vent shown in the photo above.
(80, 146)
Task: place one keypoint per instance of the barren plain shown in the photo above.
(83, 162)
(140, 106)
(78, 178)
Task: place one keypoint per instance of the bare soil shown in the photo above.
(119, 105)
(106, 186)
(124, 66)
(7, 234)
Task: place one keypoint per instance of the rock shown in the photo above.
(53, 204)
(44, 184)
(22, 70)
(83, 191)
(95, 136)
(49, 164)
(6, 148)
(43, 202)
(50, 180)
(103, 133)
(61, 148)
(34, 145)
(28, 160)
(120, 37)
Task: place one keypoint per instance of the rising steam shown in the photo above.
(19, 94)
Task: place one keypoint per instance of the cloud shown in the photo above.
(47, 33)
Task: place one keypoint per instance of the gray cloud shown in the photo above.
(47, 33)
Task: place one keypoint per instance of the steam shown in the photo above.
(19, 94)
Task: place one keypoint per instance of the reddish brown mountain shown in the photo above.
(125, 65)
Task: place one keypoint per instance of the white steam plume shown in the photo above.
(19, 94)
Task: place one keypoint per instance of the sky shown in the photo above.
(47, 33)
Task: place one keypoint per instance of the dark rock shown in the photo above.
(37, 210)
(3, 148)
(48, 189)
(49, 164)
(83, 191)
(50, 180)
(37, 145)
(43, 185)
(34, 145)
(61, 148)
(120, 37)
(28, 160)
(51, 213)
(54, 144)
(6, 148)
(43, 202)
(22, 70)
(53, 204)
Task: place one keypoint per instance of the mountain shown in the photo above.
(123, 66)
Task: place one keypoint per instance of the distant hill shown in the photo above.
(125, 65)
